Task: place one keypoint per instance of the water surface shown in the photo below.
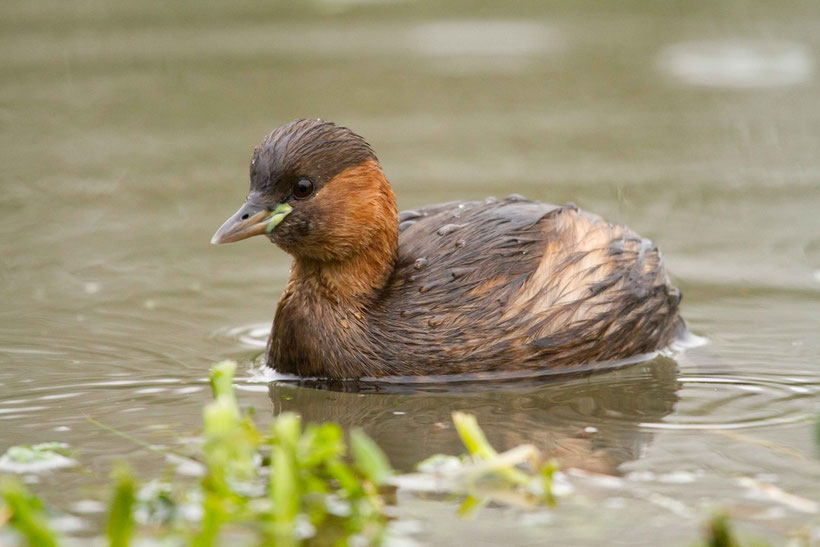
(126, 129)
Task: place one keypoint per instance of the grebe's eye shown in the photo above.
(303, 189)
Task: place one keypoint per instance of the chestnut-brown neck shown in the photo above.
(365, 226)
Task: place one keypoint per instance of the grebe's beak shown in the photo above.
(251, 220)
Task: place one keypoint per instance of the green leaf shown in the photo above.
(287, 429)
(547, 474)
(284, 486)
(120, 512)
(285, 495)
(222, 379)
(472, 436)
(213, 514)
(320, 443)
(345, 477)
(719, 533)
(230, 440)
(480, 448)
(469, 506)
(27, 514)
(369, 458)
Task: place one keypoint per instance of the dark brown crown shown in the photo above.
(312, 149)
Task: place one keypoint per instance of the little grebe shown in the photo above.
(476, 286)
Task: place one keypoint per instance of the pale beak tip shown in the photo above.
(216, 240)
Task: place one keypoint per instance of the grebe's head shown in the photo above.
(317, 191)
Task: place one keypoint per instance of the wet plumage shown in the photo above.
(462, 287)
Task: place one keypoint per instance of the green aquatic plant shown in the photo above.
(25, 513)
(719, 533)
(369, 458)
(297, 484)
(520, 476)
(288, 483)
(231, 440)
(480, 448)
(121, 509)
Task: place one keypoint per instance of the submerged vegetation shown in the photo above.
(295, 484)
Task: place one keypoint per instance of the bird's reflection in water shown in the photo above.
(592, 422)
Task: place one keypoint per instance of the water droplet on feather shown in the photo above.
(449, 228)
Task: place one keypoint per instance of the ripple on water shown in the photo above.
(734, 402)
(738, 64)
(254, 336)
(706, 401)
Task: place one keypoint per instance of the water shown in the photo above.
(126, 129)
